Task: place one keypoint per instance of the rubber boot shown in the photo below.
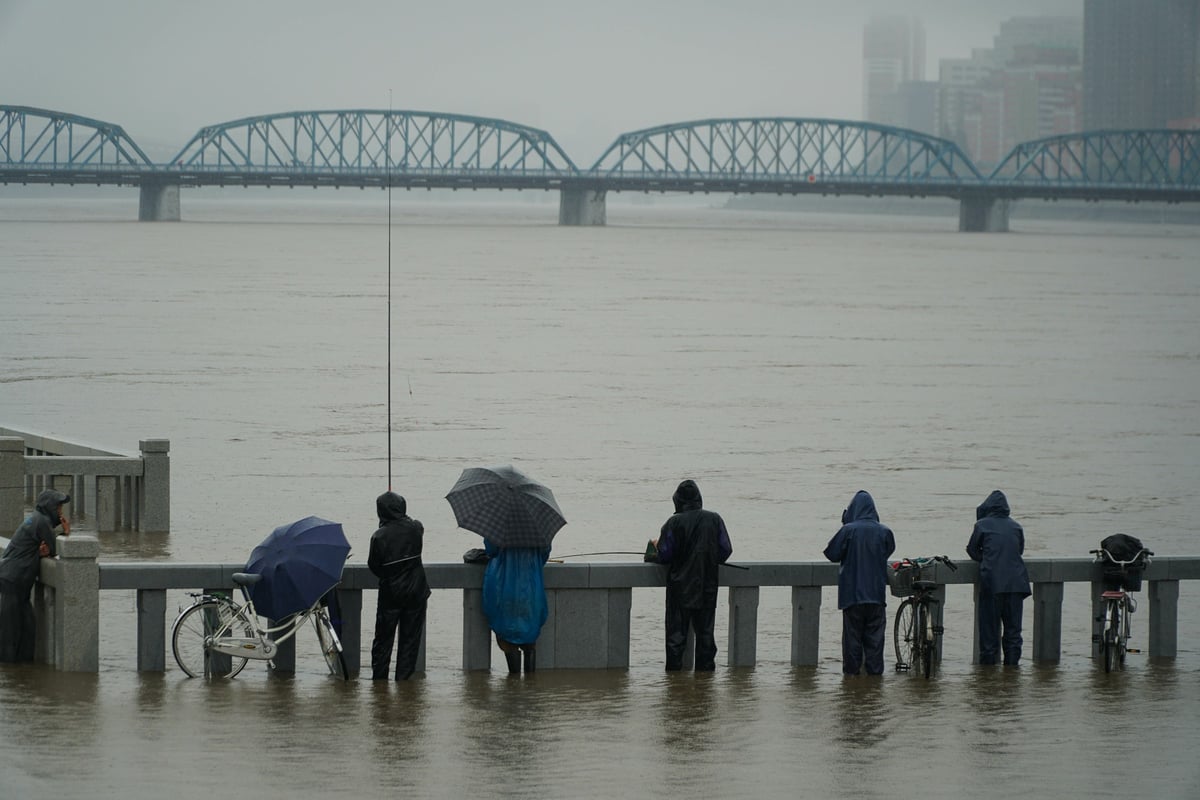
(513, 657)
(530, 658)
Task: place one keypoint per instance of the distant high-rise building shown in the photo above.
(1140, 63)
(893, 56)
(1027, 86)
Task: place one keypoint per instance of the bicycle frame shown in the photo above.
(265, 643)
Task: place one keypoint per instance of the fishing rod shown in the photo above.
(387, 144)
(632, 553)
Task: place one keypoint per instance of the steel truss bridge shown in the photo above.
(778, 155)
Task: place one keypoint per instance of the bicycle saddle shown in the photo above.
(246, 578)
(924, 585)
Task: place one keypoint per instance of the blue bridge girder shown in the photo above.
(780, 155)
(1117, 164)
(785, 155)
(52, 139)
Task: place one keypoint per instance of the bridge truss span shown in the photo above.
(375, 144)
(787, 155)
(35, 141)
(1134, 164)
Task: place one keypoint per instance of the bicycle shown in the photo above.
(1113, 637)
(215, 637)
(913, 632)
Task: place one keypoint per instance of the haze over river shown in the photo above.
(782, 360)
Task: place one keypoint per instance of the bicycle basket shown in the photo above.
(901, 575)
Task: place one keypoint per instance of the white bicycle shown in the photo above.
(214, 637)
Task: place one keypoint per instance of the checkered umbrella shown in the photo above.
(506, 507)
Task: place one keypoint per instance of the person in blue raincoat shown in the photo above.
(862, 546)
(514, 601)
(33, 540)
(997, 543)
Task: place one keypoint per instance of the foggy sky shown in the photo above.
(584, 71)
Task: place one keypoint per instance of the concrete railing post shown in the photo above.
(806, 625)
(477, 636)
(151, 630)
(350, 603)
(1097, 618)
(77, 605)
(1164, 617)
(12, 483)
(1047, 621)
(975, 626)
(743, 626)
(107, 499)
(155, 510)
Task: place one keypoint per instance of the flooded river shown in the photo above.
(782, 360)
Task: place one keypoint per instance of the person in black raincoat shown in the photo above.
(395, 558)
(997, 543)
(862, 546)
(693, 543)
(33, 540)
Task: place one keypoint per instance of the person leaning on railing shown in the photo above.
(33, 540)
(861, 546)
(997, 543)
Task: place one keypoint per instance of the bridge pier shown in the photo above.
(158, 202)
(982, 214)
(582, 207)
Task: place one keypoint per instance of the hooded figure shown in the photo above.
(997, 543)
(395, 558)
(33, 540)
(862, 546)
(693, 543)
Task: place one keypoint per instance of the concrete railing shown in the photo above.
(589, 622)
(118, 492)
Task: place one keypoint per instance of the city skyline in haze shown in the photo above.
(583, 72)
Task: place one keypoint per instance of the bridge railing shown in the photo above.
(589, 621)
(118, 492)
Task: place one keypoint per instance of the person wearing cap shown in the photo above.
(33, 540)
(395, 558)
(861, 547)
(693, 543)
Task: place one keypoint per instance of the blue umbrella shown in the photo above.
(299, 563)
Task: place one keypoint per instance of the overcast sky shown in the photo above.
(585, 71)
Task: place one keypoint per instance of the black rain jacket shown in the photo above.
(693, 543)
(395, 554)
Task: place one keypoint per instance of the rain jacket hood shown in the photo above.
(996, 505)
(50, 503)
(687, 497)
(390, 506)
(862, 507)
(861, 546)
(997, 543)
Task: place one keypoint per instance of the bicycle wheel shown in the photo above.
(903, 638)
(924, 642)
(191, 632)
(1110, 645)
(331, 648)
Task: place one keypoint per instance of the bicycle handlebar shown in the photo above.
(1102, 555)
